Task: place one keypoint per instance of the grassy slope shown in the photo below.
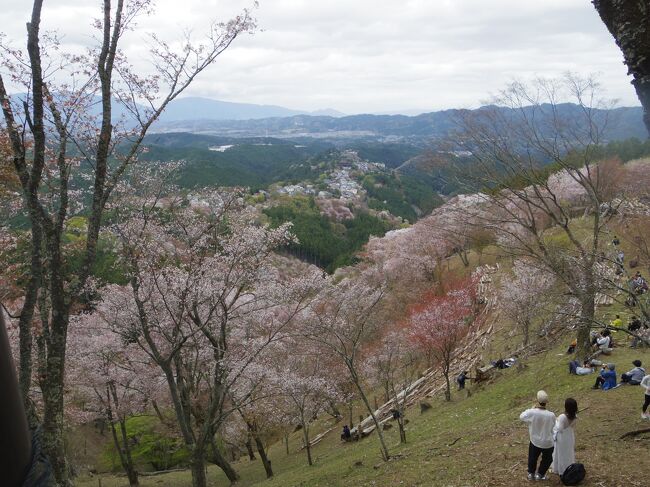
(492, 445)
(489, 443)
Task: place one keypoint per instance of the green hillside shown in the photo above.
(323, 242)
(475, 440)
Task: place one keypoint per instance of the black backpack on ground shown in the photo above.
(574, 474)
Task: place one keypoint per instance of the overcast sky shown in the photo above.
(370, 55)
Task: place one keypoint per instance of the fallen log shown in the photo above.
(317, 439)
(629, 434)
(160, 472)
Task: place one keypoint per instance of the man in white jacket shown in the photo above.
(540, 428)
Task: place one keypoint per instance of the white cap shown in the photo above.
(542, 397)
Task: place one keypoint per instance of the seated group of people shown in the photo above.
(607, 378)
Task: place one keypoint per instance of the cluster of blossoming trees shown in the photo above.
(215, 327)
(224, 340)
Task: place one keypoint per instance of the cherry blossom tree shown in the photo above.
(55, 137)
(256, 399)
(525, 295)
(112, 378)
(344, 319)
(394, 362)
(533, 215)
(306, 384)
(439, 323)
(204, 302)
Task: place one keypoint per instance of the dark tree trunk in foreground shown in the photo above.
(629, 22)
(15, 445)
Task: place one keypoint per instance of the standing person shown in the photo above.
(540, 429)
(645, 383)
(462, 377)
(564, 439)
(346, 434)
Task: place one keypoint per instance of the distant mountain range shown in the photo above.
(227, 119)
(194, 108)
(623, 123)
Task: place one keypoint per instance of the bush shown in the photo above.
(152, 447)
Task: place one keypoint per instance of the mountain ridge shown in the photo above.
(199, 108)
(626, 122)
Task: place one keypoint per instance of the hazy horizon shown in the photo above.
(383, 56)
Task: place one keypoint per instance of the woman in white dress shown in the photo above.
(564, 438)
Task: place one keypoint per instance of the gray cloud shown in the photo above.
(372, 55)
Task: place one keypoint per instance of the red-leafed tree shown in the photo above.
(438, 324)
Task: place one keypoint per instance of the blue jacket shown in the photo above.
(610, 379)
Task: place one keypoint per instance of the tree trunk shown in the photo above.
(154, 404)
(526, 330)
(334, 410)
(219, 460)
(265, 461)
(197, 465)
(52, 387)
(249, 449)
(380, 433)
(629, 22)
(587, 308)
(124, 452)
(642, 88)
(402, 431)
(305, 435)
(462, 253)
(445, 372)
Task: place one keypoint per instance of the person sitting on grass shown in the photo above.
(642, 337)
(617, 322)
(540, 429)
(346, 435)
(635, 376)
(587, 368)
(634, 324)
(603, 343)
(572, 346)
(607, 378)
